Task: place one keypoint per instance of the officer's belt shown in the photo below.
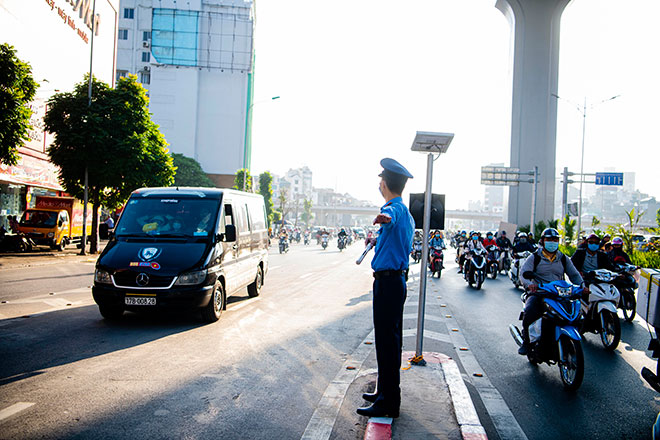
(390, 273)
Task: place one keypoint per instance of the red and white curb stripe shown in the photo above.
(378, 428)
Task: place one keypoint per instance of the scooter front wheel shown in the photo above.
(571, 363)
(610, 330)
(628, 305)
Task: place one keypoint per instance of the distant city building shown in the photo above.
(195, 59)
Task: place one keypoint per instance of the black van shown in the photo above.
(183, 247)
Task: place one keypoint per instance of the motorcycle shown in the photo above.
(504, 261)
(341, 243)
(16, 243)
(284, 245)
(324, 242)
(514, 273)
(626, 284)
(492, 264)
(306, 239)
(437, 259)
(554, 338)
(600, 313)
(417, 251)
(475, 272)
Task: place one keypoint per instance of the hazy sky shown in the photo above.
(358, 78)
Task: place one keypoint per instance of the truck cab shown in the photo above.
(48, 227)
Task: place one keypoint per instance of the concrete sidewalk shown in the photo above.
(435, 403)
(42, 255)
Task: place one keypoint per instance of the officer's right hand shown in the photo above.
(532, 288)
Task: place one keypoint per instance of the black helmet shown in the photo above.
(550, 233)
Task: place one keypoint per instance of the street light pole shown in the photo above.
(248, 130)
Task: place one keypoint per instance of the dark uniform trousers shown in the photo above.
(388, 302)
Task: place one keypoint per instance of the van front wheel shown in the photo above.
(254, 288)
(213, 310)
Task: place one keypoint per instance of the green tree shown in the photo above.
(283, 198)
(17, 89)
(307, 215)
(627, 231)
(567, 228)
(189, 172)
(238, 180)
(538, 229)
(114, 138)
(266, 190)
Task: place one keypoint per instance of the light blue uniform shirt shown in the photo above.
(394, 238)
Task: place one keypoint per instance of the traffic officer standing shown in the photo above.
(390, 266)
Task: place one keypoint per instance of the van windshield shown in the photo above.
(168, 217)
(39, 219)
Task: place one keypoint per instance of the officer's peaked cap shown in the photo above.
(394, 167)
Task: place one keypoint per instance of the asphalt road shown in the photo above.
(257, 373)
(260, 371)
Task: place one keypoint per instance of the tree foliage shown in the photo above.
(568, 229)
(627, 231)
(266, 190)
(17, 89)
(240, 176)
(114, 138)
(283, 198)
(307, 215)
(189, 172)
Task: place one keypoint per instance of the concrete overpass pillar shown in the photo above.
(535, 34)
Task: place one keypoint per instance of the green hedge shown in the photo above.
(650, 260)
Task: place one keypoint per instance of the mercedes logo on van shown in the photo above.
(148, 254)
(142, 279)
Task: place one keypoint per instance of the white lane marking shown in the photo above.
(427, 334)
(306, 275)
(242, 304)
(273, 267)
(426, 317)
(334, 262)
(325, 415)
(15, 408)
(503, 419)
(466, 414)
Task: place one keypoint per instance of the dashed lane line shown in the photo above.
(242, 304)
(14, 409)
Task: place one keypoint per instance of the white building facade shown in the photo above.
(195, 58)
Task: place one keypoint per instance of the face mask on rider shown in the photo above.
(593, 247)
(475, 238)
(551, 246)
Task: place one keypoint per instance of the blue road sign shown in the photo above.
(609, 179)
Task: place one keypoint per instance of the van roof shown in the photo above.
(173, 191)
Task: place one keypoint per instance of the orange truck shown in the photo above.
(55, 221)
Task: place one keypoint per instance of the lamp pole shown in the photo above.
(582, 109)
(248, 130)
(89, 105)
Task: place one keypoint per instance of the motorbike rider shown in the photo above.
(547, 264)
(460, 246)
(503, 241)
(489, 240)
(472, 244)
(591, 257)
(618, 255)
(436, 241)
(522, 244)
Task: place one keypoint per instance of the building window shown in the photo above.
(123, 34)
(146, 35)
(146, 57)
(145, 77)
(129, 13)
(121, 74)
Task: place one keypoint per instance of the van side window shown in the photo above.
(241, 219)
(257, 216)
(228, 218)
(247, 217)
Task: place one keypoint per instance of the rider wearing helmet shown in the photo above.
(618, 255)
(503, 242)
(489, 241)
(436, 240)
(522, 244)
(547, 264)
(591, 258)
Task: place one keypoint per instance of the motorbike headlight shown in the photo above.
(102, 277)
(51, 235)
(191, 278)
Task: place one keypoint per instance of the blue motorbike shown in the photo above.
(555, 338)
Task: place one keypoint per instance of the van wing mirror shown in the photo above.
(230, 233)
(60, 223)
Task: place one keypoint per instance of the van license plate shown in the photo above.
(139, 301)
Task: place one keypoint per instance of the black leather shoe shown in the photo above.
(523, 350)
(378, 411)
(370, 397)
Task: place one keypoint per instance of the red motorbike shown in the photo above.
(436, 257)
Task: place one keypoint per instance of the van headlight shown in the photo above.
(102, 277)
(191, 278)
(51, 235)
